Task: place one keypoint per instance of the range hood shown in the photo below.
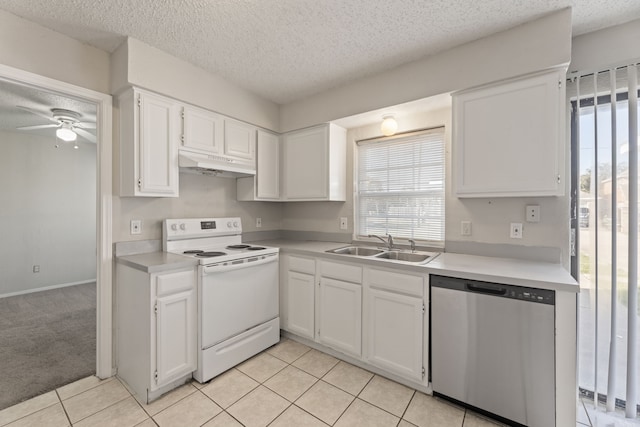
(208, 164)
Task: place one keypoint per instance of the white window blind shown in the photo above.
(400, 186)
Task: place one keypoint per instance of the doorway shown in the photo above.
(103, 200)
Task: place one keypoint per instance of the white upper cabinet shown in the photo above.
(314, 164)
(265, 185)
(148, 144)
(508, 138)
(239, 139)
(202, 130)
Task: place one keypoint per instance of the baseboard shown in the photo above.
(46, 288)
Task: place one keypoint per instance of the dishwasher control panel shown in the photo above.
(542, 296)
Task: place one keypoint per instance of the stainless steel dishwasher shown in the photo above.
(492, 348)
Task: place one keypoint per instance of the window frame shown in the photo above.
(356, 184)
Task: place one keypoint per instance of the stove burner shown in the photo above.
(255, 248)
(237, 246)
(209, 254)
(193, 251)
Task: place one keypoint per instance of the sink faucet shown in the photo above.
(413, 245)
(388, 242)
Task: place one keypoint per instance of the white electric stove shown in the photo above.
(238, 313)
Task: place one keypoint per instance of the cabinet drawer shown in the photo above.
(404, 283)
(171, 283)
(302, 265)
(349, 273)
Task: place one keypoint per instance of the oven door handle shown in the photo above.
(246, 264)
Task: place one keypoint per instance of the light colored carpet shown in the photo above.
(47, 340)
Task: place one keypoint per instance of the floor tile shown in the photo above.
(363, 414)
(27, 407)
(198, 385)
(126, 413)
(325, 401)
(288, 350)
(94, 400)
(348, 377)
(80, 386)
(194, 410)
(296, 417)
(169, 399)
(51, 416)
(262, 367)
(147, 423)
(258, 408)
(223, 420)
(427, 411)
(405, 423)
(316, 363)
(290, 383)
(388, 395)
(229, 387)
(474, 420)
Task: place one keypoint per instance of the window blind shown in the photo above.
(400, 186)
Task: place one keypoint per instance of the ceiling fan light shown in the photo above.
(389, 125)
(65, 133)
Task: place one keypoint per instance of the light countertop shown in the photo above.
(535, 274)
(156, 262)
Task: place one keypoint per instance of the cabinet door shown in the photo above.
(340, 315)
(268, 166)
(175, 336)
(395, 333)
(508, 138)
(300, 304)
(306, 164)
(158, 149)
(239, 139)
(203, 131)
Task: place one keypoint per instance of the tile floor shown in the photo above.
(286, 385)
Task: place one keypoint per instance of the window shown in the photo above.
(400, 186)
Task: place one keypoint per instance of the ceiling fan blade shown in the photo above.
(85, 125)
(86, 135)
(38, 113)
(37, 127)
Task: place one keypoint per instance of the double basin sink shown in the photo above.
(413, 257)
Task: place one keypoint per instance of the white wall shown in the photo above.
(48, 211)
(200, 197)
(31, 47)
(536, 45)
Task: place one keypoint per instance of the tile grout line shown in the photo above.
(174, 403)
(106, 407)
(63, 408)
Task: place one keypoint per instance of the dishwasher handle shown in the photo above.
(486, 289)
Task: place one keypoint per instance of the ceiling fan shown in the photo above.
(67, 122)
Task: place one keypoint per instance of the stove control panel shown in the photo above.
(201, 227)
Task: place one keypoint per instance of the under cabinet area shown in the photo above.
(395, 322)
(149, 132)
(156, 329)
(508, 138)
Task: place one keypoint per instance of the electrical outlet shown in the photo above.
(343, 223)
(516, 230)
(465, 228)
(36, 269)
(532, 213)
(136, 226)
(258, 222)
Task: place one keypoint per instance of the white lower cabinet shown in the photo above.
(301, 303)
(340, 315)
(395, 322)
(156, 329)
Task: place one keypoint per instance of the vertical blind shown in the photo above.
(604, 110)
(400, 186)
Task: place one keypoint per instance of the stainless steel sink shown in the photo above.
(416, 257)
(356, 250)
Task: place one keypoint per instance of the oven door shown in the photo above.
(237, 296)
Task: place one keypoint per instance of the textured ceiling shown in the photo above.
(289, 49)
